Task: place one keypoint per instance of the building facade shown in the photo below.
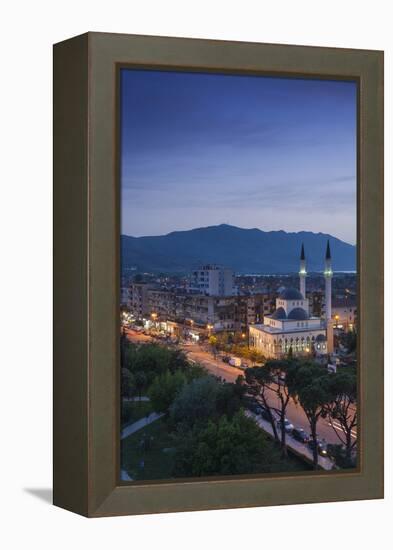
(213, 280)
(219, 313)
(344, 313)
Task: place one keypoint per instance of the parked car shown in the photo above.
(300, 435)
(244, 366)
(287, 425)
(321, 446)
(253, 405)
(225, 358)
(235, 361)
(265, 414)
(255, 408)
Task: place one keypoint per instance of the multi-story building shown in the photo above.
(162, 303)
(124, 296)
(344, 312)
(213, 280)
(139, 303)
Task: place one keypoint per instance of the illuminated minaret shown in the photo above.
(303, 273)
(328, 273)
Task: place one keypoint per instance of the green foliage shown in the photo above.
(308, 383)
(236, 345)
(148, 361)
(258, 376)
(350, 341)
(343, 386)
(165, 388)
(341, 407)
(213, 340)
(226, 447)
(196, 401)
(340, 457)
(205, 399)
(146, 453)
(128, 386)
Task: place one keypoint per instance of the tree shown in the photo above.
(127, 383)
(259, 381)
(308, 384)
(140, 381)
(224, 447)
(196, 402)
(206, 399)
(279, 369)
(342, 409)
(164, 390)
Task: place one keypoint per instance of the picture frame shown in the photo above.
(86, 273)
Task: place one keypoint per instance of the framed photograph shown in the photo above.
(218, 274)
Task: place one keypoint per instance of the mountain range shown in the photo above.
(244, 250)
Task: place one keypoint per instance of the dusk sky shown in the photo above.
(203, 149)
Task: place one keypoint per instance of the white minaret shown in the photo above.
(303, 273)
(328, 283)
(328, 273)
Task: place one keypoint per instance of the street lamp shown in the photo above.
(154, 318)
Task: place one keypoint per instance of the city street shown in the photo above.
(228, 373)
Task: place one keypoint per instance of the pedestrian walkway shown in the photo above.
(143, 398)
(139, 424)
(124, 476)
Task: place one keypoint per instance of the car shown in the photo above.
(265, 414)
(253, 405)
(235, 361)
(243, 366)
(300, 435)
(225, 358)
(255, 408)
(321, 446)
(287, 425)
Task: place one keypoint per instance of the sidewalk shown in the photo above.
(296, 446)
(139, 424)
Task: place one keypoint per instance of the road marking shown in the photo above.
(338, 427)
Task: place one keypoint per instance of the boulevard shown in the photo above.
(198, 354)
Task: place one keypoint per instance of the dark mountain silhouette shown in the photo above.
(244, 250)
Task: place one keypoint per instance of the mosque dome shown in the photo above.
(279, 313)
(298, 314)
(291, 294)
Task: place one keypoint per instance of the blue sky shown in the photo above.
(204, 149)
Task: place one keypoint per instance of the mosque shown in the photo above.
(291, 327)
